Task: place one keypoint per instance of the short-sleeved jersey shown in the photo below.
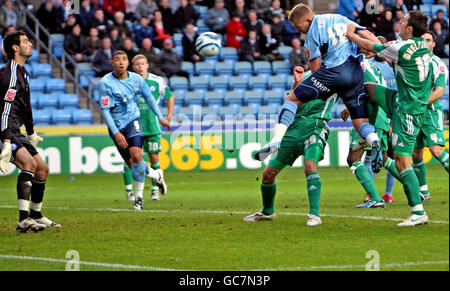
(374, 75)
(440, 77)
(327, 38)
(387, 72)
(411, 60)
(121, 96)
(149, 120)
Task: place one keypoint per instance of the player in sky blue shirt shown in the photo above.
(119, 92)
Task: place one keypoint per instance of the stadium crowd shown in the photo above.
(256, 28)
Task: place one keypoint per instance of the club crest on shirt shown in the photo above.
(105, 101)
(308, 53)
(10, 95)
(442, 69)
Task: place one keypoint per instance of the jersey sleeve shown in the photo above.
(312, 41)
(165, 90)
(9, 97)
(106, 97)
(388, 50)
(439, 73)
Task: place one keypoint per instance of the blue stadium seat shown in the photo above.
(34, 99)
(56, 86)
(204, 68)
(262, 67)
(267, 112)
(188, 67)
(177, 38)
(277, 81)
(199, 82)
(281, 67)
(42, 70)
(425, 8)
(29, 69)
(253, 98)
(179, 83)
(436, 7)
(213, 98)
(48, 101)
(257, 82)
(57, 44)
(238, 82)
(273, 97)
(42, 117)
(34, 58)
(229, 53)
(289, 81)
(219, 82)
(246, 113)
(233, 98)
(243, 68)
(68, 101)
(82, 117)
(179, 50)
(179, 97)
(224, 68)
(285, 51)
(62, 117)
(187, 111)
(227, 111)
(37, 85)
(193, 98)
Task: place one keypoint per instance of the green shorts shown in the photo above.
(432, 131)
(152, 144)
(382, 134)
(306, 137)
(405, 127)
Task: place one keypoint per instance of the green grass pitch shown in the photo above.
(198, 225)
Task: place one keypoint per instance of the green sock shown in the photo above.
(128, 178)
(268, 192)
(421, 172)
(314, 188)
(155, 166)
(409, 179)
(443, 158)
(390, 166)
(363, 176)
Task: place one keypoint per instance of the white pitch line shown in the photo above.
(391, 265)
(220, 212)
(97, 264)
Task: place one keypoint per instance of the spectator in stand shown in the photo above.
(100, 23)
(110, 7)
(10, 16)
(188, 42)
(131, 10)
(235, 32)
(217, 17)
(269, 44)
(116, 39)
(395, 35)
(143, 30)
(275, 9)
(185, 14)
(289, 33)
(386, 24)
(240, 9)
(93, 41)
(67, 27)
(298, 56)
(102, 59)
(440, 18)
(86, 16)
(252, 22)
(277, 27)
(167, 15)
(440, 38)
(262, 7)
(146, 8)
(154, 59)
(161, 31)
(119, 22)
(130, 49)
(400, 5)
(48, 17)
(367, 17)
(75, 45)
(250, 48)
(398, 14)
(172, 61)
(346, 8)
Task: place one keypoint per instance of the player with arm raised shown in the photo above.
(407, 107)
(16, 111)
(306, 136)
(119, 92)
(432, 131)
(336, 70)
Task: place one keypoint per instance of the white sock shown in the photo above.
(371, 138)
(129, 188)
(279, 131)
(139, 189)
(152, 173)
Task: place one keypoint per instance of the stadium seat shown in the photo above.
(229, 53)
(436, 7)
(82, 117)
(219, 82)
(37, 85)
(48, 101)
(262, 67)
(188, 111)
(56, 86)
(213, 98)
(289, 81)
(57, 44)
(179, 83)
(41, 70)
(42, 117)
(199, 82)
(233, 98)
(267, 112)
(285, 51)
(426, 9)
(281, 67)
(204, 68)
(257, 82)
(62, 117)
(188, 67)
(273, 97)
(243, 68)
(277, 81)
(34, 58)
(246, 113)
(224, 68)
(68, 101)
(238, 82)
(34, 100)
(253, 98)
(179, 97)
(227, 112)
(177, 39)
(194, 98)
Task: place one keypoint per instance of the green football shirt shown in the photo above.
(440, 77)
(411, 61)
(158, 87)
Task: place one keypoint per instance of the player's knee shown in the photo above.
(351, 159)
(417, 154)
(436, 151)
(310, 167)
(269, 175)
(30, 165)
(42, 171)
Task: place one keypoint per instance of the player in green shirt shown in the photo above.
(407, 107)
(432, 131)
(150, 124)
(307, 137)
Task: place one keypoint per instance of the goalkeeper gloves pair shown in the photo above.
(6, 153)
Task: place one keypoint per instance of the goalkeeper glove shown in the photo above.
(5, 157)
(35, 139)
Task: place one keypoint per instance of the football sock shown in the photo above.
(314, 189)
(410, 181)
(37, 195)
(390, 182)
(421, 173)
(268, 192)
(155, 166)
(287, 113)
(390, 166)
(368, 164)
(368, 132)
(128, 178)
(23, 193)
(363, 177)
(443, 158)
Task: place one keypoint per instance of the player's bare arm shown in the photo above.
(437, 93)
(362, 43)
